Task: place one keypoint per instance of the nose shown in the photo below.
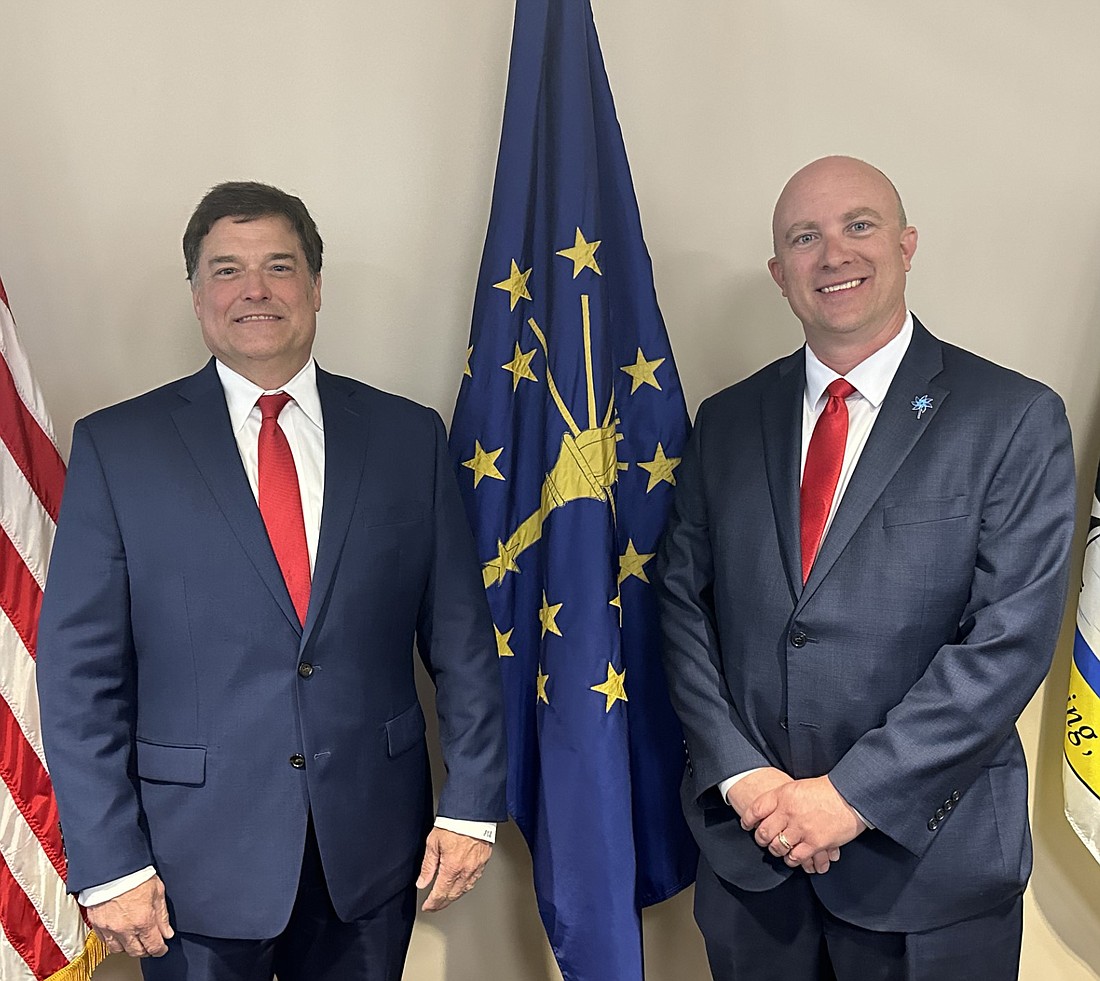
(254, 286)
(835, 251)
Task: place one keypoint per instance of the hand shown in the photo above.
(136, 922)
(456, 862)
(743, 793)
(811, 816)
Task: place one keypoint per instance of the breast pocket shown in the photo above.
(924, 512)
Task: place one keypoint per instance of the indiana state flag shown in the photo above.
(567, 433)
(1081, 773)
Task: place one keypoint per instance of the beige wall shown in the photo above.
(116, 116)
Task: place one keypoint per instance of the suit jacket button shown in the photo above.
(940, 813)
(955, 796)
(305, 669)
(933, 824)
(298, 761)
(949, 804)
(798, 638)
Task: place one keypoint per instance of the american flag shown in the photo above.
(42, 932)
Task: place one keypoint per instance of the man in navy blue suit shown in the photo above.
(244, 559)
(862, 584)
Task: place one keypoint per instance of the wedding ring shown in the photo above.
(782, 838)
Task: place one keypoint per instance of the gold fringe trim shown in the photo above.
(95, 953)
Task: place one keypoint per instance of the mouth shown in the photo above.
(851, 284)
(256, 318)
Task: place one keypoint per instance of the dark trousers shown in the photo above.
(786, 934)
(315, 946)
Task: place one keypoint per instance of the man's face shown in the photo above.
(255, 298)
(841, 253)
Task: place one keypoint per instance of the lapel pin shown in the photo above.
(921, 404)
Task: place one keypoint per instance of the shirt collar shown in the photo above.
(871, 377)
(241, 394)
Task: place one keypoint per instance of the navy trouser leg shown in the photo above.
(315, 946)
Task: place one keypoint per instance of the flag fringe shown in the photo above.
(81, 969)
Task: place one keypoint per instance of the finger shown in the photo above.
(132, 945)
(820, 862)
(152, 943)
(429, 866)
(163, 922)
(110, 941)
(780, 848)
(834, 854)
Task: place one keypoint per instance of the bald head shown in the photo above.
(824, 172)
(842, 252)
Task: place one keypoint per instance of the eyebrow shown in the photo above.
(859, 213)
(217, 260)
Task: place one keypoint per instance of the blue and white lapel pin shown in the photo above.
(921, 404)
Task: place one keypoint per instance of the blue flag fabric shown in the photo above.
(568, 429)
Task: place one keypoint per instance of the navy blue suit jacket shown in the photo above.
(169, 654)
(928, 620)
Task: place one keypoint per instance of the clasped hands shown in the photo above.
(812, 817)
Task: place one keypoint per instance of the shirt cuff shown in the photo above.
(724, 786)
(94, 895)
(482, 830)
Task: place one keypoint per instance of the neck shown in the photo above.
(842, 352)
(269, 377)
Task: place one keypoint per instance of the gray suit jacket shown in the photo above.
(899, 670)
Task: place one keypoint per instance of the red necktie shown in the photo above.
(281, 502)
(822, 470)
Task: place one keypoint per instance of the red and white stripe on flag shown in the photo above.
(42, 932)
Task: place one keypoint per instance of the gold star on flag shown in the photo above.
(617, 602)
(466, 371)
(548, 615)
(520, 366)
(515, 285)
(614, 688)
(504, 563)
(583, 255)
(660, 468)
(642, 372)
(503, 649)
(540, 683)
(484, 464)
(632, 562)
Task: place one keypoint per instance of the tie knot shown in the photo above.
(839, 389)
(272, 405)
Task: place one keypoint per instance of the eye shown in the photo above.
(860, 226)
(804, 239)
(281, 267)
(223, 271)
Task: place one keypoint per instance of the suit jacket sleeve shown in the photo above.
(962, 710)
(455, 640)
(714, 733)
(86, 680)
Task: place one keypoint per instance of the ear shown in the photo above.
(775, 267)
(908, 246)
(196, 303)
(317, 293)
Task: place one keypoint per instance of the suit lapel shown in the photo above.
(346, 438)
(893, 436)
(781, 417)
(203, 424)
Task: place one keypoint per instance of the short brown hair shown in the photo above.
(246, 201)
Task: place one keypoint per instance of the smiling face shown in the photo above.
(841, 255)
(255, 298)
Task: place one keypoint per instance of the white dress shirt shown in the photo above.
(304, 425)
(871, 379)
